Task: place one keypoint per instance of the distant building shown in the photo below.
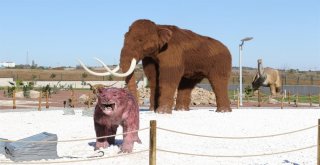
(7, 64)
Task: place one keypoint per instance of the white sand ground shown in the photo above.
(243, 122)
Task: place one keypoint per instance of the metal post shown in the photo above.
(240, 70)
(240, 64)
(153, 142)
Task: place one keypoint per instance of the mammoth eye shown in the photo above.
(140, 40)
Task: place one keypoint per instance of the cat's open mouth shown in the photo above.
(109, 107)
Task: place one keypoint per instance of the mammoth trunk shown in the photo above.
(130, 80)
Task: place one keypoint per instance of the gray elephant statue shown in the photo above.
(173, 59)
(267, 77)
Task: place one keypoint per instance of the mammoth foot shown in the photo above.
(103, 145)
(181, 108)
(126, 147)
(135, 138)
(152, 109)
(224, 109)
(163, 110)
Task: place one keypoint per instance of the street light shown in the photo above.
(240, 65)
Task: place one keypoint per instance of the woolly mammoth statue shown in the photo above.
(173, 59)
(267, 77)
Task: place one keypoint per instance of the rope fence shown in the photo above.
(238, 156)
(247, 137)
(153, 146)
(74, 140)
(243, 137)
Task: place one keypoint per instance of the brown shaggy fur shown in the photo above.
(175, 58)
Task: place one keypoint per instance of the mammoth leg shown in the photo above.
(169, 79)
(219, 85)
(184, 93)
(101, 131)
(150, 68)
(112, 131)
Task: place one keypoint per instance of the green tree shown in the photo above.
(19, 84)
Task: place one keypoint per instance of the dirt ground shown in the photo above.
(57, 101)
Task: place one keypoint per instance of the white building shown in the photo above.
(7, 64)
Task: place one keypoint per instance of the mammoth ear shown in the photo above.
(164, 36)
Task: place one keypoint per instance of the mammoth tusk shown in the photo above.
(97, 73)
(131, 69)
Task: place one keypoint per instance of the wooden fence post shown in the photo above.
(47, 99)
(310, 100)
(89, 101)
(153, 142)
(288, 97)
(238, 99)
(297, 99)
(247, 97)
(39, 104)
(259, 98)
(72, 99)
(318, 147)
(14, 99)
(282, 101)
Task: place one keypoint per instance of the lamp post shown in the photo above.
(240, 65)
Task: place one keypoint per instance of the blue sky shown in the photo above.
(57, 32)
